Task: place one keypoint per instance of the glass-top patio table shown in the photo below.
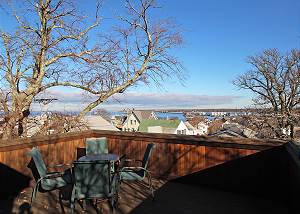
(100, 157)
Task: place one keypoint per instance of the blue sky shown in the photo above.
(218, 37)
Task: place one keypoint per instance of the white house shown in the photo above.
(131, 124)
(191, 129)
(202, 128)
(182, 129)
(134, 118)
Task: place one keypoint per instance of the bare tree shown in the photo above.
(52, 35)
(54, 123)
(274, 79)
(139, 52)
(32, 56)
(263, 121)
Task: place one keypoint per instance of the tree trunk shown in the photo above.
(9, 127)
(14, 124)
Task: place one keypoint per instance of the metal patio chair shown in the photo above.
(47, 181)
(139, 173)
(94, 180)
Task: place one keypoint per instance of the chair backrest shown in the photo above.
(38, 162)
(92, 179)
(96, 146)
(147, 154)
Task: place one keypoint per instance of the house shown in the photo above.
(239, 129)
(216, 126)
(202, 128)
(134, 118)
(163, 126)
(131, 123)
(191, 129)
(97, 122)
(118, 120)
(229, 129)
(145, 115)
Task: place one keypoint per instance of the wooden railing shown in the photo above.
(174, 155)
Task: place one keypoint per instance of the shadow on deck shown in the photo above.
(189, 199)
(258, 183)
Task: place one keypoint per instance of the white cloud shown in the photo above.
(75, 101)
(175, 99)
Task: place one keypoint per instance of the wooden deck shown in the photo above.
(171, 197)
(131, 195)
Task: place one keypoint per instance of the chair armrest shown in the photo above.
(133, 168)
(50, 176)
(53, 175)
(133, 160)
(58, 168)
(59, 165)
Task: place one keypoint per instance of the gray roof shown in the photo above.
(143, 114)
(99, 123)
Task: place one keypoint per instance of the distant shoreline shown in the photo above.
(171, 110)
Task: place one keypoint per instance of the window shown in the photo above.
(181, 131)
(134, 122)
(131, 122)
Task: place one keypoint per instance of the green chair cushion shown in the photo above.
(95, 146)
(132, 176)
